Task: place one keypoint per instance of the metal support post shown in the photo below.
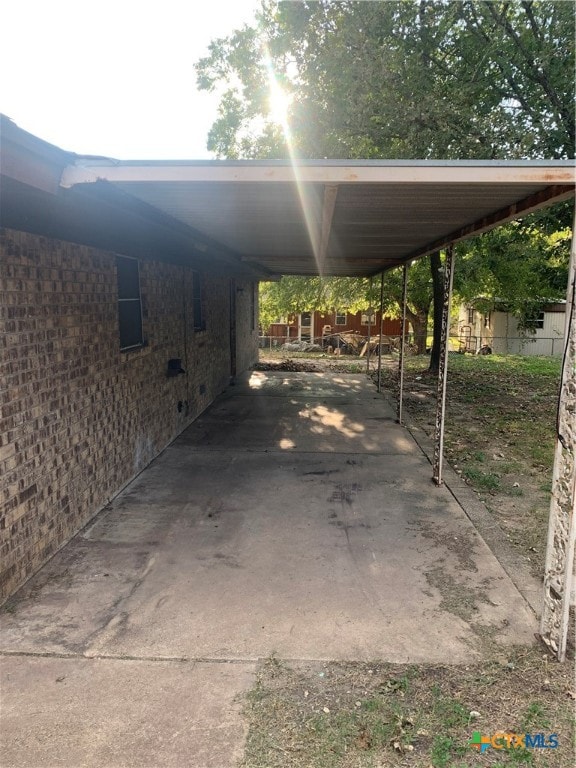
(370, 310)
(381, 328)
(559, 568)
(402, 341)
(443, 368)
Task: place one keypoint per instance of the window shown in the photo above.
(487, 320)
(470, 315)
(536, 322)
(197, 302)
(368, 318)
(340, 318)
(129, 303)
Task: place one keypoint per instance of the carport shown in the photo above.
(359, 219)
(296, 515)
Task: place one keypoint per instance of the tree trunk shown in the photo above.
(438, 298)
(419, 322)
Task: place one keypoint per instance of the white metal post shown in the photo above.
(381, 328)
(559, 568)
(443, 367)
(402, 341)
(370, 310)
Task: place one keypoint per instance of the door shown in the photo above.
(305, 326)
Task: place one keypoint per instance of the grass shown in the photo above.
(483, 481)
(500, 432)
(344, 715)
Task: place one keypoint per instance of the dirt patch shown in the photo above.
(304, 366)
(462, 547)
(456, 597)
(271, 360)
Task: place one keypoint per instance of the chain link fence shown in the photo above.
(353, 344)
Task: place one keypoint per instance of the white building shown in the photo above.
(500, 331)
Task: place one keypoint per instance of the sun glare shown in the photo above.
(279, 103)
(278, 100)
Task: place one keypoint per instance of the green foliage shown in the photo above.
(441, 754)
(428, 79)
(518, 267)
(305, 294)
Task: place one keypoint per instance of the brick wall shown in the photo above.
(246, 323)
(78, 418)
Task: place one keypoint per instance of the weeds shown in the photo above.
(375, 715)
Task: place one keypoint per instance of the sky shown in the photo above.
(113, 77)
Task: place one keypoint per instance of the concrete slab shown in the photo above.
(304, 412)
(294, 517)
(86, 713)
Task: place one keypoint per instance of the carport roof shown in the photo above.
(269, 218)
(332, 217)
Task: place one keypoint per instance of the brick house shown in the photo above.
(115, 333)
(307, 325)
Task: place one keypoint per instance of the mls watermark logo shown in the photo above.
(507, 740)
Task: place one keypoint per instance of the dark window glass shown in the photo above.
(128, 279)
(129, 303)
(536, 322)
(197, 301)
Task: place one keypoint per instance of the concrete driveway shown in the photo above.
(294, 517)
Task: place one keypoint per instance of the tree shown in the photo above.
(518, 267)
(437, 274)
(426, 79)
(292, 294)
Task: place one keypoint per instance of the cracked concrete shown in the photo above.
(294, 517)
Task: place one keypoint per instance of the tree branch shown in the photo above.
(533, 71)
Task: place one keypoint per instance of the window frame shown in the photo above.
(340, 314)
(124, 300)
(198, 314)
(537, 323)
(370, 320)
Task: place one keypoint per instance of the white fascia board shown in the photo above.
(320, 174)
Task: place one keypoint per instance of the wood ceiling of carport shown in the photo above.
(330, 217)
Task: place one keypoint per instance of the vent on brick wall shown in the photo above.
(202, 389)
(174, 367)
